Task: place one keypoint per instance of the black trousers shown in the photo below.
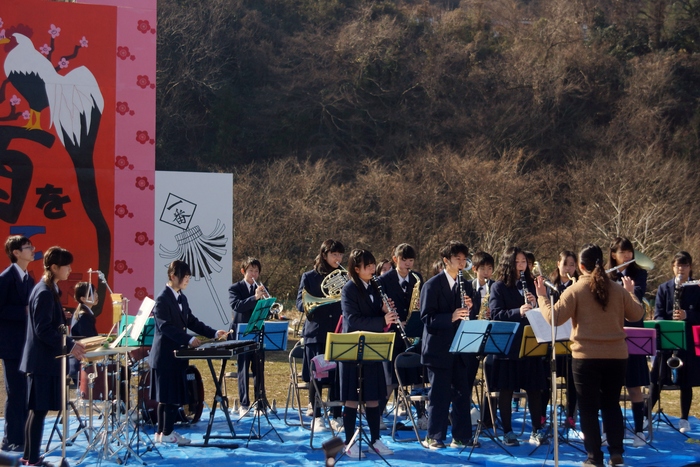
(16, 402)
(598, 386)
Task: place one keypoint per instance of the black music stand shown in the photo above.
(359, 347)
(670, 336)
(484, 338)
(256, 326)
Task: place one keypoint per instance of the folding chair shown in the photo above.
(325, 405)
(406, 394)
(296, 384)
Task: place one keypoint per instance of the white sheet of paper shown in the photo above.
(141, 317)
(542, 329)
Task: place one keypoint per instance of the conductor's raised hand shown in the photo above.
(540, 287)
(628, 284)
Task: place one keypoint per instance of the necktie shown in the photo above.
(481, 289)
(25, 284)
(404, 286)
(179, 299)
(252, 289)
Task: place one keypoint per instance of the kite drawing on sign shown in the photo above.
(202, 253)
(75, 106)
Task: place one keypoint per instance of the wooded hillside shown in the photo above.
(547, 124)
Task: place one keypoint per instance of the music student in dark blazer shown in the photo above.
(687, 376)
(83, 323)
(563, 277)
(44, 342)
(512, 296)
(243, 296)
(15, 286)
(483, 266)
(173, 317)
(451, 375)
(597, 308)
(363, 310)
(622, 251)
(398, 284)
(319, 323)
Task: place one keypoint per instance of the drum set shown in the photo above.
(113, 401)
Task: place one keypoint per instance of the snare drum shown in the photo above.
(190, 413)
(104, 374)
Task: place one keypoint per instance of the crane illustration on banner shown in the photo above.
(75, 105)
(203, 253)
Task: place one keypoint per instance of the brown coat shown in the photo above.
(596, 333)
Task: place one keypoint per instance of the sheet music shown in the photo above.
(141, 317)
(542, 329)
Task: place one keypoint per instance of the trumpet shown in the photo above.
(334, 282)
(619, 266)
(391, 309)
(689, 283)
(276, 308)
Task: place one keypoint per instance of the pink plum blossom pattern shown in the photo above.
(142, 137)
(2, 31)
(122, 162)
(123, 52)
(26, 115)
(123, 108)
(144, 26)
(1, 23)
(14, 100)
(142, 183)
(121, 267)
(83, 42)
(140, 293)
(142, 81)
(55, 31)
(45, 49)
(142, 238)
(121, 210)
(63, 63)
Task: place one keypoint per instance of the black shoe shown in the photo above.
(588, 462)
(616, 459)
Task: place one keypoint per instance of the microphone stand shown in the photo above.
(63, 329)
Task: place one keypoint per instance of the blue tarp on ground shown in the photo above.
(668, 449)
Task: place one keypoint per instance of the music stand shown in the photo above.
(642, 341)
(484, 338)
(256, 325)
(359, 347)
(670, 336)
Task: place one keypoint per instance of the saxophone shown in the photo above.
(415, 297)
(485, 302)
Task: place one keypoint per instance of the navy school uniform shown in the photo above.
(242, 300)
(401, 298)
(44, 342)
(168, 378)
(319, 322)
(689, 373)
(511, 372)
(637, 368)
(84, 325)
(14, 300)
(451, 375)
(362, 311)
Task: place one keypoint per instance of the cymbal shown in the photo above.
(643, 260)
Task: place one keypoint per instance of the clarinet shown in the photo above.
(674, 362)
(523, 282)
(385, 299)
(460, 280)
